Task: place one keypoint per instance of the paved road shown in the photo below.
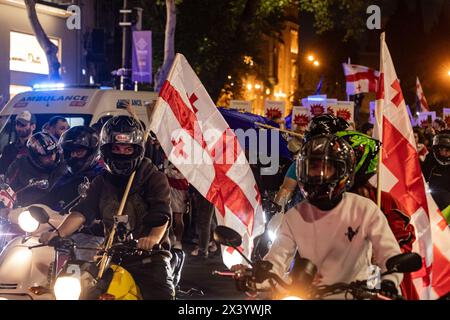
(197, 273)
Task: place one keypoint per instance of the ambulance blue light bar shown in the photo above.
(48, 86)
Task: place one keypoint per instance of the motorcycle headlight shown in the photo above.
(67, 288)
(292, 298)
(27, 222)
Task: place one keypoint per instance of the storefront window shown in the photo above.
(26, 55)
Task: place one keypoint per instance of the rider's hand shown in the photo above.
(147, 243)
(239, 268)
(47, 236)
(388, 288)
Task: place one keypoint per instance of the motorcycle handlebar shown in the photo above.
(358, 289)
(227, 274)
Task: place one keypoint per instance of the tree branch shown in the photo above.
(169, 45)
(50, 49)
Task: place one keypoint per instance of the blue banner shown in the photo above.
(142, 56)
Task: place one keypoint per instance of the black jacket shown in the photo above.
(19, 174)
(10, 153)
(148, 203)
(438, 178)
(65, 190)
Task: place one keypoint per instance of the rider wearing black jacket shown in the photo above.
(81, 154)
(147, 207)
(43, 162)
(436, 169)
(81, 146)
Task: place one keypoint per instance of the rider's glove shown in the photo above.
(388, 288)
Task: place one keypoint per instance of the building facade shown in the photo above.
(22, 60)
(280, 63)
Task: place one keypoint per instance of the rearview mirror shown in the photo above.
(227, 237)
(404, 263)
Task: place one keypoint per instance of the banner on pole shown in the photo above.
(142, 56)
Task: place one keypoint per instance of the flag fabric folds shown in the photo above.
(198, 141)
(360, 79)
(401, 175)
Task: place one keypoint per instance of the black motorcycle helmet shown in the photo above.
(42, 144)
(325, 170)
(441, 140)
(80, 137)
(122, 130)
(325, 124)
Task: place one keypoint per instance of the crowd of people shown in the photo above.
(165, 210)
(66, 156)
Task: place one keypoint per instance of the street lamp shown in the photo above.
(311, 58)
(316, 63)
(448, 73)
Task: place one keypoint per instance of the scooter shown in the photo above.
(69, 279)
(8, 197)
(22, 268)
(303, 274)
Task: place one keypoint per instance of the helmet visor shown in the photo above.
(319, 170)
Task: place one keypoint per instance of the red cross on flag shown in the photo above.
(421, 97)
(360, 79)
(401, 175)
(199, 142)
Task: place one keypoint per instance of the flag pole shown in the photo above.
(379, 120)
(292, 133)
(150, 111)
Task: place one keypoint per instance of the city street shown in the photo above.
(197, 274)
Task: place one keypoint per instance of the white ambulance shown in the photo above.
(80, 106)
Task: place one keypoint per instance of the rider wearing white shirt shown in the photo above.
(343, 234)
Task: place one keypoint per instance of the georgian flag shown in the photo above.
(199, 142)
(360, 79)
(401, 176)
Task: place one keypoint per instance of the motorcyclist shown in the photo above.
(322, 124)
(436, 170)
(338, 231)
(43, 162)
(148, 205)
(81, 146)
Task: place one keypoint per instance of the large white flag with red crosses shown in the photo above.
(199, 142)
(401, 175)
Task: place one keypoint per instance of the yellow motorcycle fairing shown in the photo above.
(123, 286)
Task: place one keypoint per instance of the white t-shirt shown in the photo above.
(342, 242)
